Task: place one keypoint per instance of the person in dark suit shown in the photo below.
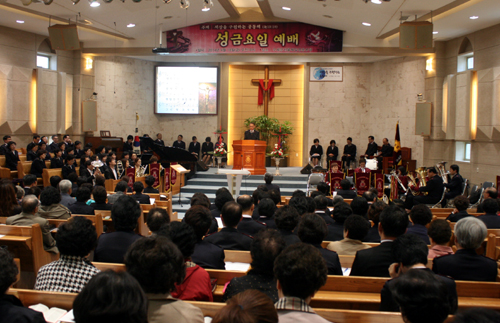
(287, 218)
(349, 153)
(491, 218)
(336, 229)
(179, 143)
(110, 171)
(466, 264)
(80, 206)
(138, 196)
(55, 141)
(386, 151)
(12, 156)
(420, 216)
(332, 152)
(31, 154)
(375, 261)
(316, 152)
(128, 145)
(410, 253)
(150, 180)
(206, 254)
(434, 190)
(194, 147)
(111, 247)
(89, 172)
(312, 230)
(205, 148)
(57, 161)
(38, 165)
(3, 148)
(248, 225)
(251, 133)
(268, 178)
(346, 191)
(454, 186)
(489, 193)
(461, 205)
(266, 212)
(321, 203)
(78, 152)
(371, 149)
(69, 166)
(159, 140)
(100, 195)
(228, 237)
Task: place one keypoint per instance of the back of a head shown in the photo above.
(64, 186)
(266, 246)
(200, 199)
(76, 237)
(299, 203)
(55, 180)
(49, 196)
(286, 218)
(490, 206)
(20, 192)
(323, 188)
(470, 232)
(410, 250)
(267, 208)
(182, 234)
(35, 190)
(150, 180)
(461, 203)
(345, 184)
(369, 196)
(111, 297)
(477, 315)
(312, 229)
(421, 214)
(394, 221)
(337, 199)
(439, 231)
(121, 186)
(421, 296)
(29, 179)
(222, 198)
(138, 187)
(268, 178)
(245, 201)
(275, 196)
(375, 210)
(321, 202)
(250, 306)
(125, 213)
(301, 270)
(8, 270)
(200, 219)
(359, 206)
(311, 206)
(341, 212)
(83, 194)
(156, 218)
(492, 192)
(100, 195)
(29, 204)
(356, 226)
(231, 214)
(156, 263)
(298, 193)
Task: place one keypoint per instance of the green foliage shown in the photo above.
(267, 127)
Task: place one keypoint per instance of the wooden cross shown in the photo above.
(266, 83)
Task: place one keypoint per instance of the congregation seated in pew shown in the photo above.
(341, 212)
(420, 216)
(10, 204)
(150, 180)
(355, 229)
(373, 216)
(81, 206)
(248, 225)
(287, 218)
(248, 306)
(50, 205)
(461, 204)
(490, 218)
(100, 195)
(157, 217)
(138, 196)
(65, 187)
(439, 236)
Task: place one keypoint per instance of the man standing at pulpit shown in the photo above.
(252, 134)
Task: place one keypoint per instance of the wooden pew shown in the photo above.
(141, 228)
(24, 168)
(96, 221)
(49, 172)
(4, 171)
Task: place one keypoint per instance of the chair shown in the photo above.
(313, 181)
(465, 184)
(438, 204)
(472, 191)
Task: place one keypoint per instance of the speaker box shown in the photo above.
(201, 167)
(415, 35)
(307, 169)
(64, 37)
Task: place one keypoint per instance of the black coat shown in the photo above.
(177, 144)
(160, 142)
(373, 235)
(37, 167)
(151, 190)
(194, 147)
(289, 237)
(466, 265)
(141, 198)
(206, 147)
(316, 150)
(127, 147)
(492, 221)
(67, 169)
(11, 160)
(434, 189)
(208, 255)
(350, 150)
(271, 187)
(371, 149)
(373, 262)
(31, 156)
(335, 231)
(56, 162)
(230, 239)
(250, 227)
(334, 151)
(111, 247)
(347, 194)
(252, 136)
(332, 260)
(455, 217)
(81, 208)
(387, 150)
(13, 311)
(328, 219)
(455, 186)
(3, 149)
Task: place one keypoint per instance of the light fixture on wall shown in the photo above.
(428, 64)
(473, 105)
(420, 97)
(207, 5)
(89, 63)
(184, 4)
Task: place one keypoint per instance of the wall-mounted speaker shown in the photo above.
(415, 35)
(64, 37)
(423, 118)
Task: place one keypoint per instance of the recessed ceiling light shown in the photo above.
(20, 21)
(367, 24)
(94, 3)
(286, 8)
(130, 25)
(473, 17)
(205, 9)
(435, 32)
(327, 16)
(376, 1)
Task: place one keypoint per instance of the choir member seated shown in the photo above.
(362, 167)
(248, 225)
(439, 235)
(32, 149)
(355, 229)
(69, 166)
(461, 204)
(316, 152)
(349, 154)
(50, 205)
(332, 152)
(157, 217)
(57, 161)
(75, 239)
(158, 266)
(420, 217)
(38, 165)
(12, 156)
(287, 218)
(3, 148)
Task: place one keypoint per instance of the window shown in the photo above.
(470, 62)
(467, 151)
(42, 61)
(462, 151)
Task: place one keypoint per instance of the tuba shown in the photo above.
(441, 168)
(119, 168)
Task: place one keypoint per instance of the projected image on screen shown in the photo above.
(186, 90)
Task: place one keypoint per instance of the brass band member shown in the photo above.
(454, 186)
(434, 190)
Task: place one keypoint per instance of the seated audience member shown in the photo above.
(299, 203)
(355, 229)
(111, 247)
(421, 297)
(111, 297)
(8, 199)
(266, 212)
(268, 178)
(373, 215)
(439, 234)
(120, 189)
(304, 261)
(75, 239)
(321, 203)
(157, 217)
(54, 181)
(196, 284)
(345, 190)
(221, 198)
(311, 206)
(80, 206)
(375, 261)
(100, 181)
(57, 161)
(491, 218)
(477, 315)
(274, 195)
(420, 216)
(410, 254)
(38, 164)
(11, 308)
(100, 195)
(206, 254)
(12, 156)
(466, 264)
(340, 213)
(324, 189)
(312, 229)
(19, 193)
(248, 225)
(201, 199)
(29, 216)
(3, 147)
(248, 306)
(489, 193)
(370, 197)
(150, 181)
(258, 195)
(36, 191)
(359, 206)
(29, 181)
(51, 207)
(461, 205)
(266, 246)
(32, 149)
(69, 167)
(74, 179)
(228, 237)
(158, 266)
(65, 186)
(287, 219)
(141, 198)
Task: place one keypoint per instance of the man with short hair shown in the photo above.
(228, 237)
(420, 216)
(341, 212)
(321, 203)
(120, 189)
(304, 261)
(29, 216)
(355, 229)
(251, 133)
(29, 181)
(345, 190)
(69, 166)
(268, 178)
(179, 143)
(454, 186)
(100, 195)
(386, 151)
(461, 205)
(434, 190)
(65, 186)
(141, 198)
(489, 193)
(159, 139)
(67, 140)
(359, 206)
(55, 142)
(490, 218)
(150, 181)
(127, 146)
(248, 225)
(375, 261)
(3, 148)
(156, 218)
(371, 149)
(80, 206)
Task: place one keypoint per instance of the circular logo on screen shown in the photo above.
(319, 73)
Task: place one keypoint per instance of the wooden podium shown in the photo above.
(250, 155)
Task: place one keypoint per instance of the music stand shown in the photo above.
(181, 170)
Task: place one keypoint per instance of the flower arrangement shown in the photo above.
(219, 152)
(277, 152)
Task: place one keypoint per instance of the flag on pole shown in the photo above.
(397, 148)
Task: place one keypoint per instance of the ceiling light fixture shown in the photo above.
(20, 21)
(367, 24)
(376, 1)
(94, 3)
(130, 25)
(184, 4)
(473, 17)
(207, 4)
(435, 32)
(286, 8)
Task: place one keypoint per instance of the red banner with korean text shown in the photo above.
(173, 174)
(167, 179)
(252, 38)
(379, 184)
(131, 176)
(154, 170)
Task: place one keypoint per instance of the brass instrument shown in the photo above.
(441, 169)
(422, 171)
(393, 173)
(141, 171)
(119, 168)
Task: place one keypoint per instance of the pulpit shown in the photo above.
(250, 155)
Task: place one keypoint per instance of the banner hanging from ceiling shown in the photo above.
(254, 38)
